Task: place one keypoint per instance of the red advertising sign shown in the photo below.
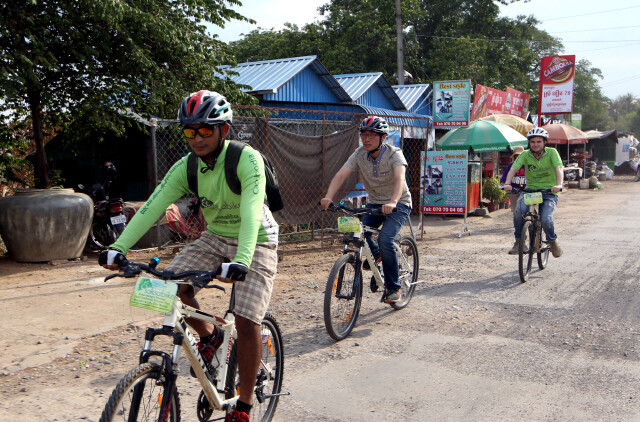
(488, 101)
(517, 103)
(556, 84)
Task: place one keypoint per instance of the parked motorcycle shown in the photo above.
(109, 219)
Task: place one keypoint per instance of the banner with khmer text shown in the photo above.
(556, 84)
(444, 182)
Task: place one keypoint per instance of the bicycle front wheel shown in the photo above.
(342, 297)
(525, 251)
(138, 396)
(543, 254)
(408, 265)
(270, 372)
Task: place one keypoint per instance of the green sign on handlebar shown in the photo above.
(156, 295)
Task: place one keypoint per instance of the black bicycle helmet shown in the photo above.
(374, 124)
(204, 106)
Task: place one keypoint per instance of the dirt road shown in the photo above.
(475, 344)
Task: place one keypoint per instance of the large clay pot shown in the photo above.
(39, 225)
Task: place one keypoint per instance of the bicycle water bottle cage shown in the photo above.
(533, 198)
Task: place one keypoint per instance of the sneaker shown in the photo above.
(556, 250)
(516, 247)
(208, 350)
(236, 416)
(393, 296)
(365, 264)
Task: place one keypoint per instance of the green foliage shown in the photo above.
(491, 190)
(443, 40)
(588, 98)
(73, 65)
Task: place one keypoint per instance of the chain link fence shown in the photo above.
(306, 147)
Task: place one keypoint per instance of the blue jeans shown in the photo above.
(391, 225)
(548, 206)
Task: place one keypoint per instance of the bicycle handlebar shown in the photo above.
(198, 278)
(526, 190)
(356, 211)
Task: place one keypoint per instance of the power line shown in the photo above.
(599, 29)
(587, 14)
(623, 80)
(520, 41)
(605, 48)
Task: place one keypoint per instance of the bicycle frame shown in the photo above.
(365, 251)
(174, 325)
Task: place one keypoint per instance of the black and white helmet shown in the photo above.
(205, 107)
(538, 131)
(374, 124)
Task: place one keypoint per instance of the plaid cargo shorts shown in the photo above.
(252, 294)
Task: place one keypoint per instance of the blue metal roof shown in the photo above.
(299, 77)
(399, 118)
(393, 117)
(415, 97)
(363, 87)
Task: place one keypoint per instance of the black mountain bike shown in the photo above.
(533, 240)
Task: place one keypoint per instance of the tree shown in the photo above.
(443, 40)
(588, 98)
(622, 106)
(76, 63)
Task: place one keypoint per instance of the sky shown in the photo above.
(607, 34)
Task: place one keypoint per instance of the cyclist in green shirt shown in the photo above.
(543, 170)
(240, 229)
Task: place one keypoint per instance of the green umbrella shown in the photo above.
(482, 136)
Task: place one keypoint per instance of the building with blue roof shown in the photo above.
(416, 98)
(305, 83)
(371, 89)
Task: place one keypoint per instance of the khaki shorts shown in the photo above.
(252, 294)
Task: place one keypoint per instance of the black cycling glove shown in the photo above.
(234, 270)
(110, 257)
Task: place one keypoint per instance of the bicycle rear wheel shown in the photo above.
(525, 251)
(543, 255)
(342, 297)
(408, 265)
(270, 372)
(138, 395)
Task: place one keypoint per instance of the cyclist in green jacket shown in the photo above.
(240, 229)
(543, 170)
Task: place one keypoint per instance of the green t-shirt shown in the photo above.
(244, 217)
(540, 174)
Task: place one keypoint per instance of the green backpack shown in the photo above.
(234, 149)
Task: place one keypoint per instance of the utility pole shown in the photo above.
(399, 44)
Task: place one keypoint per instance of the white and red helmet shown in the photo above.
(205, 107)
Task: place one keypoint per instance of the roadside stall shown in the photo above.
(561, 134)
(481, 136)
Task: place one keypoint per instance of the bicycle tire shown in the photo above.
(134, 392)
(525, 251)
(265, 402)
(408, 266)
(543, 255)
(342, 297)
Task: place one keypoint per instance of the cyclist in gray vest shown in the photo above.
(382, 169)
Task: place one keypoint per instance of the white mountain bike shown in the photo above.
(148, 392)
(343, 292)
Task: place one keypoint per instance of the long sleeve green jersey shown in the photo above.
(244, 217)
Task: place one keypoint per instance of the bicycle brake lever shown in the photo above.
(111, 276)
(215, 286)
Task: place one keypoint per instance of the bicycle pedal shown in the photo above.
(373, 285)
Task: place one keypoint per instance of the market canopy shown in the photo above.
(564, 134)
(594, 135)
(482, 136)
(514, 122)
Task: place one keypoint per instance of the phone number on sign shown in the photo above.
(447, 210)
